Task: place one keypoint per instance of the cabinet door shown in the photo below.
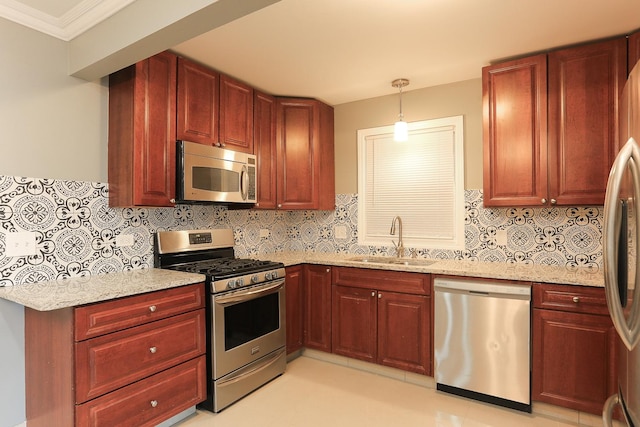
(198, 102)
(236, 115)
(573, 359)
(354, 322)
(404, 329)
(297, 174)
(305, 176)
(264, 139)
(585, 83)
(295, 304)
(142, 133)
(514, 99)
(317, 308)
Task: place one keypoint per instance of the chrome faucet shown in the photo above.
(399, 246)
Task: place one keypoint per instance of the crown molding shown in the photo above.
(71, 24)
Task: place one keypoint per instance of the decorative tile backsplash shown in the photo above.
(76, 231)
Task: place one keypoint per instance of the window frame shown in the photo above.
(457, 241)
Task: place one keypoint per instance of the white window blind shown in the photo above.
(420, 180)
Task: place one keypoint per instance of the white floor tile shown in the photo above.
(315, 393)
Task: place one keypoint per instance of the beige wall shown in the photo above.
(53, 125)
(461, 98)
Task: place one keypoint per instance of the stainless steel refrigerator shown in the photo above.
(620, 250)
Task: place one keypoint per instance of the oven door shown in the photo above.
(246, 325)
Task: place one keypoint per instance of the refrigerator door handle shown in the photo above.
(607, 411)
(629, 156)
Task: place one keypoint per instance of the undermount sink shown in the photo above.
(392, 260)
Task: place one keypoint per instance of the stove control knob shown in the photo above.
(274, 275)
(239, 282)
(231, 284)
(254, 278)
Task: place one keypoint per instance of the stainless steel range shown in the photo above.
(245, 311)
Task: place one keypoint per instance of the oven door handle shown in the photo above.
(249, 294)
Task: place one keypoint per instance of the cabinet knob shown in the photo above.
(154, 403)
(373, 293)
(379, 295)
(152, 308)
(543, 201)
(328, 270)
(153, 350)
(553, 201)
(576, 299)
(172, 200)
(279, 206)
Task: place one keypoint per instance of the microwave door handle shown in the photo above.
(244, 182)
(628, 330)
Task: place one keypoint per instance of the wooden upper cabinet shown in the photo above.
(514, 100)
(236, 115)
(585, 83)
(305, 175)
(264, 145)
(550, 125)
(214, 109)
(198, 103)
(142, 133)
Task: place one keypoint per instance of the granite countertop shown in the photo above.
(63, 293)
(52, 295)
(521, 272)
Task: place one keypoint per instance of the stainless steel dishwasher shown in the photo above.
(482, 341)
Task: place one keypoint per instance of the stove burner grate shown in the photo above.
(226, 266)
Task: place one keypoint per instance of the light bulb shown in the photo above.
(400, 131)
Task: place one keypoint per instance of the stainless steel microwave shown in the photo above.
(211, 174)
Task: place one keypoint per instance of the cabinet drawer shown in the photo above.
(383, 280)
(105, 317)
(115, 360)
(579, 299)
(150, 401)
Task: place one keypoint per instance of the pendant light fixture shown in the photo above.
(400, 130)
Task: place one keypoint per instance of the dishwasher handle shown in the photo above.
(483, 288)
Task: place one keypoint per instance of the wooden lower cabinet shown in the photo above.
(134, 361)
(317, 307)
(374, 322)
(404, 328)
(308, 307)
(354, 323)
(147, 402)
(574, 344)
(294, 306)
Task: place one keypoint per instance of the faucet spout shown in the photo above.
(399, 246)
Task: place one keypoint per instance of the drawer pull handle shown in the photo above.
(153, 308)
(154, 403)
(153, 350)
(576, 299)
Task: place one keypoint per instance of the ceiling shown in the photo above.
(347, 50)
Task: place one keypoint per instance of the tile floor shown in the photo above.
(315, 392)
